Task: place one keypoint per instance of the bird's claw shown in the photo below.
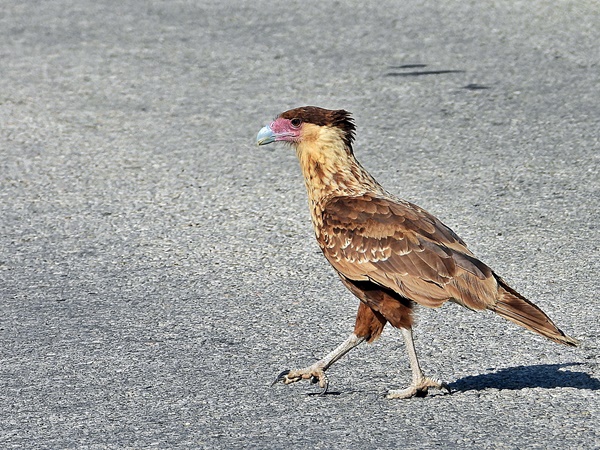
(280, 377)
(420, 389)
(313, 374)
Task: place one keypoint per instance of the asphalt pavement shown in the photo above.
(158, 270)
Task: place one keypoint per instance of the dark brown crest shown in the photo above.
(338, 118)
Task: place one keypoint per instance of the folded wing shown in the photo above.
(401, 247)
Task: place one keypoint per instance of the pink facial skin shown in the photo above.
(286, 130)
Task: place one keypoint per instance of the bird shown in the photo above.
(390, 253)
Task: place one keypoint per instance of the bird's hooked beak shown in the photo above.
(265, 136)
(279, 130)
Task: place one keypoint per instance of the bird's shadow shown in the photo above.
(547, 376)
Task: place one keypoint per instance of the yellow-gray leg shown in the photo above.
(316, 372)
(420, 383)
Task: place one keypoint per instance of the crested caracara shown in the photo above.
(389, 253)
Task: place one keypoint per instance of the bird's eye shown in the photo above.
(296, 122)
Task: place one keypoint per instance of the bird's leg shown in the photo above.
(316, 372)
(420, 383)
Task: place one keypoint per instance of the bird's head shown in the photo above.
(309, 124)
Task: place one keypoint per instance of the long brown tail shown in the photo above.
(513, 306)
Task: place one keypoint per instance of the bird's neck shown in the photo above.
(330, 170)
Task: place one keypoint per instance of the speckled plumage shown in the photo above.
(368, 235)
(389, 252)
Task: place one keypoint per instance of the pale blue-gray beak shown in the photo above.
(265, 136)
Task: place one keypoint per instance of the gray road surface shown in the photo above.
(157, 270)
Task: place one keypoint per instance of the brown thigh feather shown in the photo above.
(369, 324)
(385, 305)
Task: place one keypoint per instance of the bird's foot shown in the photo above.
(314, 373)
(419, 389)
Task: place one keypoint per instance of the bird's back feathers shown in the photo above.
(399, 247)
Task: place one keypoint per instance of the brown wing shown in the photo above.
(397, 245)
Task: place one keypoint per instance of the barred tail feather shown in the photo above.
(513, 306)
